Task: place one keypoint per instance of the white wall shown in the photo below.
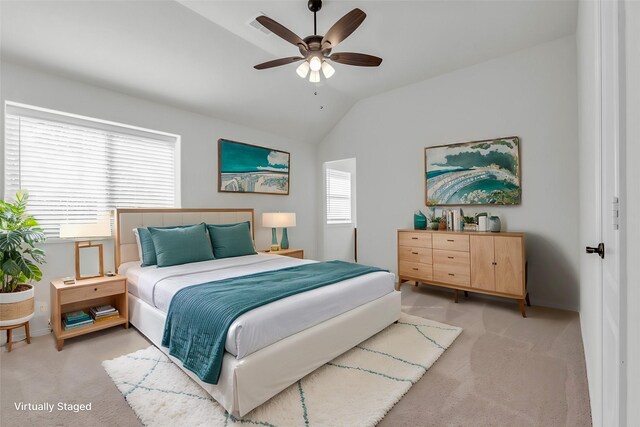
(198, 168)
(632, 210)
(339, 239)
(531, 94)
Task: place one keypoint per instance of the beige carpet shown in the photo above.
(356, 388)
(502, 371)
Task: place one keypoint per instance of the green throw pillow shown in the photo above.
(229, 240)
(146, 244)
(182, 245)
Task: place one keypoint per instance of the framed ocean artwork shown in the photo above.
(473, 173)
(246, 168)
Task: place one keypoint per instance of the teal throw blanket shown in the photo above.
(200, 316)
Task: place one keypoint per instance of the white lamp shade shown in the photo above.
(314, 76)
(278, 219)
(100, 229)
(315, 63)
(303, 69)
(327, 70)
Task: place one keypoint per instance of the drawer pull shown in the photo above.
(415, 253)
(95, 289)
(450, 240)
(494, 263)
(414, 238)
(450, 257)
(415, 269)
(451, 274)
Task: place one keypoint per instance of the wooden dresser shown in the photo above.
(484, 262)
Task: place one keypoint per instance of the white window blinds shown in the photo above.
(338, 197)
(76, 168)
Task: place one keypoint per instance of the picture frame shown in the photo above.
(252, 169)
(484, 172)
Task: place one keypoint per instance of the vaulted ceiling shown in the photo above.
(199, 55)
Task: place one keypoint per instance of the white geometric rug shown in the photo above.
(356, 388)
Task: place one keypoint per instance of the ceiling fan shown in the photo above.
(315, 49)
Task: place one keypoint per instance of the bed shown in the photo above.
(268, 348)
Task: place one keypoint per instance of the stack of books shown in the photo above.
(76, 319)
(104, 312)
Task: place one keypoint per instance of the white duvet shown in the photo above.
(270, 323)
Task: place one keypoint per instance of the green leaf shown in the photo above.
(10, 240)
(11, 268)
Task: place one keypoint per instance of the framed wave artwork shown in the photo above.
(474, 173)
(246, 168)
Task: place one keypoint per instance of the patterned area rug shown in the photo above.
(355, 389)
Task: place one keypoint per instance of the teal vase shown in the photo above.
(274, 238)
(284, 244)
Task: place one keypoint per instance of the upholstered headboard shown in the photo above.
(127, 219)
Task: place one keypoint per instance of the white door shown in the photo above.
(613, 307)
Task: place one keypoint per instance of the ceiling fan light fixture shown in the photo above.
(314, 76)
(315, 63)
(303, 69)
(327, 70)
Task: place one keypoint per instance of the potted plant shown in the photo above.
(469, 223)
(443, 223)
(435, 222)
(19, 259)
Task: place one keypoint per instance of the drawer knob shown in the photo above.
(494, 263)
(95, 289)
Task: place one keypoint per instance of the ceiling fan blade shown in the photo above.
(358, 59)
(278, 62)
(281, 31)
(343, 28)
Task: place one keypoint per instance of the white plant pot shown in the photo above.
(16, 307)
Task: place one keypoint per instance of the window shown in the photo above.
(77, 168)
(338, 197)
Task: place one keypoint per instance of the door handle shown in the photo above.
(599, 250)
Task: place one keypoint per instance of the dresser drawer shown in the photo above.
(415, 254)
(418, 240)
(454, 259)
(93, 291)
(451, 242)
(416, 270)
(454, 278)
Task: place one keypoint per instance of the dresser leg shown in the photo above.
(415, 283)
(527, 299)
(466, 294)
(455, 296)
(521, 304)
(60, 344)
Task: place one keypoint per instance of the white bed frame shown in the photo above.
(246, 383)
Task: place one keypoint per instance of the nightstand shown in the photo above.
(293, 253)
(83, 295)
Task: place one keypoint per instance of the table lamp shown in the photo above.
(279, 220)
(83, 234)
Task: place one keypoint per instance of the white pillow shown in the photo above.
(135, 231)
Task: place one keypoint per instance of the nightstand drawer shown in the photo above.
(419, 240)
(451, 242)
(422, 255)
(89, 292)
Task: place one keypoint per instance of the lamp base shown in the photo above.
(284, 244)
